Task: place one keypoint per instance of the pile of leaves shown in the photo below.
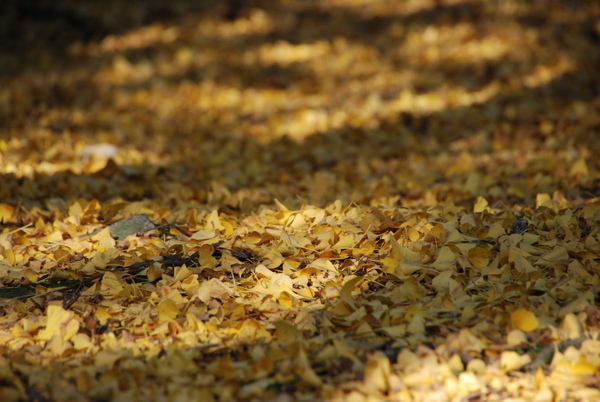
(300, 200)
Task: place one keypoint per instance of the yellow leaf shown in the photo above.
(530, 238)
(104, 240)
(182, 273)
(237, 312)
(558, 254)
(55, 236)
(203, 235)
(306, 372)
(308, 271)
(107, 357)
(396, 331)
(280, 206)
(364, 327)
(82, 342)
(111, 284)
(323, 264)
(92, 207)
(281, 280)
(290, 265)
(583, 367)
(6, 212)
(477, 366)
(455, 364)
(61, 323)
(167, 310)
(377, 373)
(522, 264)
(571, 326)
(478, 256)
(31, 275)
(190, 285)
(153, 273)
(405, 268)
(346, 291)
(413, 235)
(287, 333)
(175, 232)
(516, 337)
(480, 205)
(496, 230)
(579, 168)
(465, 341)
(58, 346)
(442, 281)
(341, 309)
(345, 242)
(100, 260)
(214, 289)
(285, 299)
(446, 258)
(102, 315)
(510, 361)
(524, 320)
(403, 253)
(390, 263)
(76, 210)
(542, 199)
(416, 325)
(290, 241)
(213, 222)
(228, 228)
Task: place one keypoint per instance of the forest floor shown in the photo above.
(300, 200)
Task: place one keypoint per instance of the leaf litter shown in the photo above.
(396, 202)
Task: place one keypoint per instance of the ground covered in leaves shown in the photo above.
(300, 200)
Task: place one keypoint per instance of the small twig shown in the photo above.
(67, 303)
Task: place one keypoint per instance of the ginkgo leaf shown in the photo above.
(478, 256)
(167, 310)
(442, 281)
(203, 235)
(571, 326)
(480, 205)
(285, 299)
(345, 242)
(182, 273)
(510, 361)
(6, 212)
(377, 373)
(405, 268)
(55, 236)
(584, 367)
(579, 168)
(213, 223)
(522, 264)
(416, 325)
(112, 285)
(61, 323)
(287, 333)
(445, 259)
(305, 370)
(190, 285)
(323, 264)
(524, 320)
(346, 291)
